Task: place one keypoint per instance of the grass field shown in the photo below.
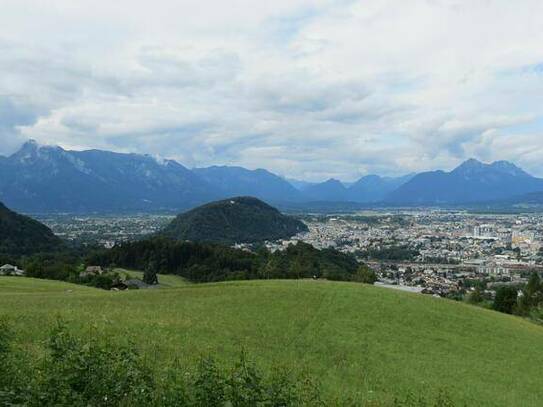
(356, 338)
(164, 280)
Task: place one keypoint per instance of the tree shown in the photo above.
(476, 296)
(150, 275)
(532, 295)
(506, 299)
(534, 287)
(365, 275)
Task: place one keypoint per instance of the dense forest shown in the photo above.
(204, 262)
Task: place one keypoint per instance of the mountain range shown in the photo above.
(471, 182)
(51, 179)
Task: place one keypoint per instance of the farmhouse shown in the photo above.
(9, 270)
(91, 271)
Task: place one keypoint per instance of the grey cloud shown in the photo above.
(14, 112)
(258, 92)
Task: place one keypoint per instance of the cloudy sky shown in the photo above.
(308, 89)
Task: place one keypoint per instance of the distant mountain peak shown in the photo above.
(508, 167)
(33, 145)
(239, 181)
(333, 181)
(472, 166)
(330, 190)
(473, 161)
(31, 142)
(31, 150)
(472, 181)
(28, 147)
(469, 165)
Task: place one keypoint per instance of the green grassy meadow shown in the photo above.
(357, 339)
(164, 280)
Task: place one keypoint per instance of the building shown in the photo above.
(9, 270)
(91, 271)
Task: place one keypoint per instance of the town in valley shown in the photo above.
(438, 252)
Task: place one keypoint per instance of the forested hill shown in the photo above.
(235, 220)
(205, 262)
(21, 235)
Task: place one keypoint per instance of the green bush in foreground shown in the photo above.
(74, 372)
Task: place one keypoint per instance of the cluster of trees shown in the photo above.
(523, 300)
(65, 265)
(526, 301)
(206, 262)
(440, 260)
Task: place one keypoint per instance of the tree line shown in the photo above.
(208, 262)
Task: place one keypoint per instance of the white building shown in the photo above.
(9, 270)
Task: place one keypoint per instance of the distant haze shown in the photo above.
(310, 90)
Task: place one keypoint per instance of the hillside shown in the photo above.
(373, 343)
(21, 235)
(235, 220)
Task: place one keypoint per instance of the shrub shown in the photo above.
(365, 275)
(96, 372)
(506, 299)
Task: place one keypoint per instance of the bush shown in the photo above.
(506, 299)
(74, 372)
(365, 275)
(91, 373)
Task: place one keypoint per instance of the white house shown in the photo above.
(91, 271)
(9, 270)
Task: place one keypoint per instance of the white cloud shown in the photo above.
(308, 89)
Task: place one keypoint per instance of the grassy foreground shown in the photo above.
(357, 339)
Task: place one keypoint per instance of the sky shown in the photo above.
(306, 89)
